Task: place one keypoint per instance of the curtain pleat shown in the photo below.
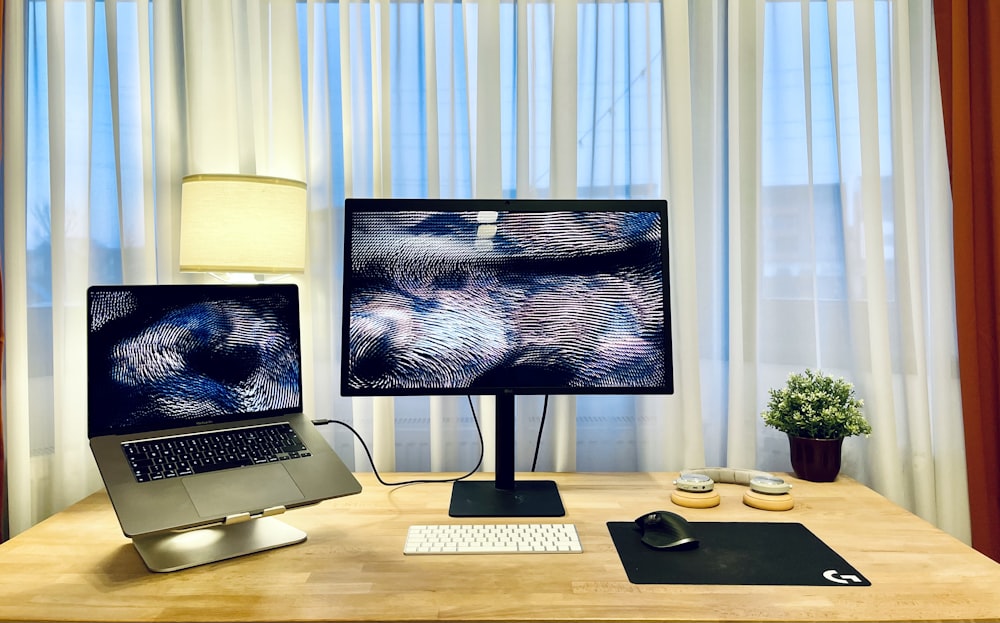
(745, 53)
(674, 431)
(17, 434)
(911, 289)
(71, 259)
(968, 37)
(878, 386)
(3, 463)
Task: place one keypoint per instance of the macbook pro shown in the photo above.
(195, 406)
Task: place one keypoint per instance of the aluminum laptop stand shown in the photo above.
(173, 551)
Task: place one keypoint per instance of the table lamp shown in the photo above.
(242, 225)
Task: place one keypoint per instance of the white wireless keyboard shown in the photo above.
(493, 539)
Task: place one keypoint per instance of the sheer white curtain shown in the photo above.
(799, 145)
(79, 193)
(854, 240)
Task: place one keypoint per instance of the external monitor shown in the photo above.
(505, 298)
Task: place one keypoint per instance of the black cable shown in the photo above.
(371, 460)
(541, 427)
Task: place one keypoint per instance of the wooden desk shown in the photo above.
(76, 566)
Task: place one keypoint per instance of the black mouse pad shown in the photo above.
(745, 553)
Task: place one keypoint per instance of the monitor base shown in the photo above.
(528, 498)
(173, 551)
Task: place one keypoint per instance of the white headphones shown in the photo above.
(696, 488)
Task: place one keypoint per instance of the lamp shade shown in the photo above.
(242, 224)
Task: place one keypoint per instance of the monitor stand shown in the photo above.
(505, 497)
(173, 551)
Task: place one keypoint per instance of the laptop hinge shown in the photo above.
(238, 518)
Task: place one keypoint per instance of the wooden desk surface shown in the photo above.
(77, 566)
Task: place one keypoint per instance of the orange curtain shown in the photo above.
(968, 36)
(3, 462)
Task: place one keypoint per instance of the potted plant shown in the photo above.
(816, 411)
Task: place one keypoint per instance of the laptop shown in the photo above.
(199, 371)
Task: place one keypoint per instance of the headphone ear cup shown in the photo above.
(768, 501)
(688, 499)
(766, 491)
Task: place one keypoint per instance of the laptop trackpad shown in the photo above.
(241, 490)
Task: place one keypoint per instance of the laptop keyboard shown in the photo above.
(183, 455)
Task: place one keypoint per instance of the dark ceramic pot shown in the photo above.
(817, 460)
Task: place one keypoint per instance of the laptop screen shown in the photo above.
(169, 356)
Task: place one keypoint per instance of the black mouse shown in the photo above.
(666, 531)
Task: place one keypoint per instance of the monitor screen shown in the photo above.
(505, 297)
(484, 297)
